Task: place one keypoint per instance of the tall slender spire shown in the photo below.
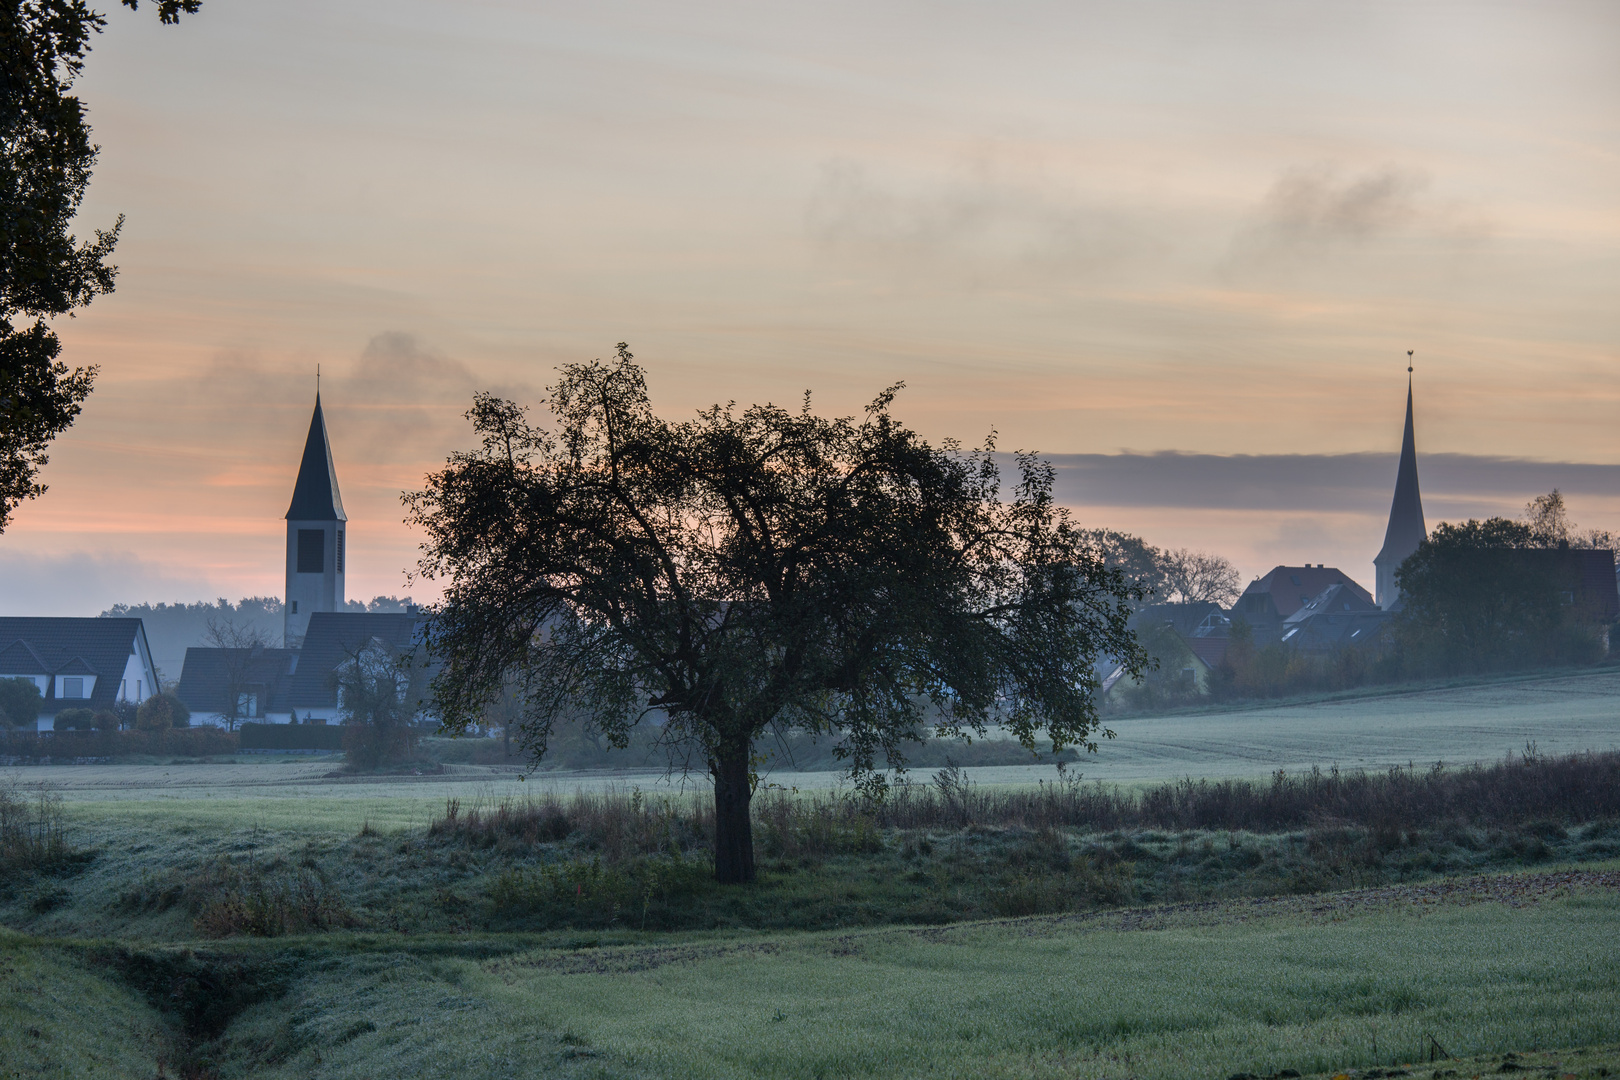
(1406, 529)
(315, 495)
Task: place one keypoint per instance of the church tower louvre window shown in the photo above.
(316, 525)
(1406, 529)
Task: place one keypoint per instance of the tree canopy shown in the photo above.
(752, 571)
(46, 158)
(1491, 595)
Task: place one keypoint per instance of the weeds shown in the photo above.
(33, 833)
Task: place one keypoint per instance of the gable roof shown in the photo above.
(1292, 587)
(334, 637)
(19, 658)
(205, 681)
(315, 494)
(99, 647)
(1335, 600)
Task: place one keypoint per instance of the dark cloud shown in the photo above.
(1347, 483)
(1316, 204)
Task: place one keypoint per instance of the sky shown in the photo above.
(1181, 248)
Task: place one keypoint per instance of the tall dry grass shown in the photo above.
(1525, 789)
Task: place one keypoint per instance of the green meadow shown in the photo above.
(275, 918)
(1231, 989)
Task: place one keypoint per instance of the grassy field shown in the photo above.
(269, 919)
(1357, 981)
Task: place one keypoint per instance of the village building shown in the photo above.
(298, 683)
(78, 663)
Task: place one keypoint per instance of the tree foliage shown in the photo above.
(752, 571)
(161, 712)
(1487, 595)
(19, 703)
(46, 158)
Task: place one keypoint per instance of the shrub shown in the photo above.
(19, 703)
(162, 711)
(74, 720)
(105, 720)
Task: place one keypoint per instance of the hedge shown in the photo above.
(186, 742)
(292, 737)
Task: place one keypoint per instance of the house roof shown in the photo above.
(315, 494)
(64, 646)
(1211, 650)
(1184, 618)
(334, 637)
(1405, 530)
(1335, 599)
(205, 681)
(1322, 630)
(1292, 587)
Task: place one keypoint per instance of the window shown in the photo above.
(72, 687)
(311, 551)
(340, 551)
(295, 607)
(1294, 578)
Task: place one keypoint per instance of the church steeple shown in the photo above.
(316, 525)
(1406, 529)
(315, 495)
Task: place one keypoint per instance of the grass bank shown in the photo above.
(1374, 982)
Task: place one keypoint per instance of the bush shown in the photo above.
(162, 711)
(74, 720)
(19, 703)
(105, 720)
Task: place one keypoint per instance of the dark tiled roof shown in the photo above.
(335, 636)
(205, 681)
(1211, 650)
(1320, 631)
(1336, 600)
(1292, 587)
(1184, 618)
(315, 495)
(99, 647)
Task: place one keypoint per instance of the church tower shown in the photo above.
(315, 526)
(1406, 530)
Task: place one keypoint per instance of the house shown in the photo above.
(1270, 600)
(78, 663)
(1339, 617)
(332, 640)
(224, 686)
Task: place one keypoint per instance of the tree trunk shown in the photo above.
(733, 827)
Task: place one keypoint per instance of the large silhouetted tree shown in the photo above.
(45, 271)
(756, 570)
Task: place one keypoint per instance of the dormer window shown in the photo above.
(73, 686)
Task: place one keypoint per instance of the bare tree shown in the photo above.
(1192, 577)
(1550, 526)
(239, 646)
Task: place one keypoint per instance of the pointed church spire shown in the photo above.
(315, 495)
(1406, 529)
